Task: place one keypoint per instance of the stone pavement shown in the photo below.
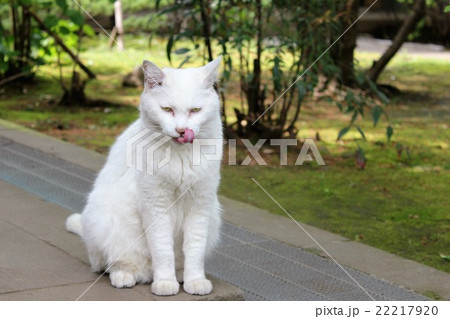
(408, 51)
(46, 179)
(39, 260)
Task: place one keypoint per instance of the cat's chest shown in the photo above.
(181, 170)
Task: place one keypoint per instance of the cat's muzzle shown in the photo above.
(187, 137)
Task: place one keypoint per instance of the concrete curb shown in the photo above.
(53, 146)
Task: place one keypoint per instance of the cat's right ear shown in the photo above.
(153, 76)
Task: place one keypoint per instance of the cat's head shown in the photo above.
(181, 103)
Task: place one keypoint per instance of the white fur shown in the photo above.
(73, 224)
(124, 202)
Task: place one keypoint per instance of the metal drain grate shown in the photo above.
(263, 268)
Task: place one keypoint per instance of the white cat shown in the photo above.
(177, 205)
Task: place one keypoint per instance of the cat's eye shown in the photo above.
(166, 109)
(196, 109)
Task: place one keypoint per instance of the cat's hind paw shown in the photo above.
(165, 287)
(122, 279)
(198, 287)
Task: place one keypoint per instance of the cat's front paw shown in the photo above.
(165, 287)
(122, 279)
(198, 287)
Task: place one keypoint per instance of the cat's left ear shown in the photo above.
(211, 71)
(153, 76)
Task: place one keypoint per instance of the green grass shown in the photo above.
(399, 204)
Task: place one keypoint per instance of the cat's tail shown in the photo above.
(73, 224)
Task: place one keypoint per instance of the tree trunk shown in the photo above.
(407, 27)
(204, 11)
(348, 41)
(254, 87)
(21, 33)
(118, 18)
(75, 95)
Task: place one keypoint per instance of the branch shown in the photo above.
(407, 27)
(60, 42)
(13, 77)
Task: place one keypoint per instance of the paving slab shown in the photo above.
(41, 219)
(28, 263)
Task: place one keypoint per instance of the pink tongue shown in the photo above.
(188, 136)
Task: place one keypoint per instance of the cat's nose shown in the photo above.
(180, 130)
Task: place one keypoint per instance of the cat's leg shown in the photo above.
(161, 244)
(195, 231)
(115, 243)
(96, 258)
(215, 222)
(121, 276)
(179, 258)
(201, 234)
(129, 271)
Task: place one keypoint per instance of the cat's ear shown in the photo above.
(153, 76)
(211, 71)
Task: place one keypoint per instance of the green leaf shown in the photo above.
(447, 9)
(63, 30)
(383, 97)
(349, 97)
(226, 74)
(186, 59)
(46, 4)
(354, 116)
(277, 74)
(62, 4)
(376, 114)
(376, 90)
(361, 132)
(373, 86)
(3, 66)
(360, 78)
(169, 48)
(157, 2)
(229, 64)
(301, 90)
(169, 9)
(343, 132)
(389, 132)
(87, 29)
(181, 51)
(445, 256)
(39, 61)
(75, 16)
(50, 21)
